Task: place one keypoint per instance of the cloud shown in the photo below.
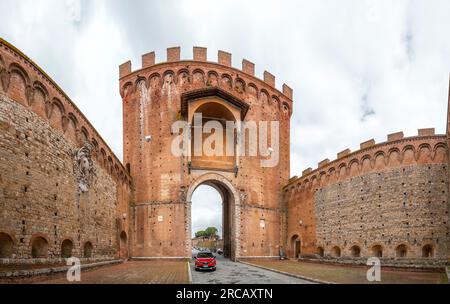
(206, 209)
(360, 69)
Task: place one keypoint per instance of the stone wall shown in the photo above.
(388, 200)
(62, 191)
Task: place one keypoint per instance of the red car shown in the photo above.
(205, 260)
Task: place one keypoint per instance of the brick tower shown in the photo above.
(156, 96)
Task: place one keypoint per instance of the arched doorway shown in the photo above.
(123, 245)
(230, 212)
(296, 246)
(207, 219)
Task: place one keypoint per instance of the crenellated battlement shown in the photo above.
(378, 156)
(224, 60)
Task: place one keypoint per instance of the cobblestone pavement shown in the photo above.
(345, 274)
(229, 272)
(133, 272)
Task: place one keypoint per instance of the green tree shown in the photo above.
(211, 232)
(200, 233)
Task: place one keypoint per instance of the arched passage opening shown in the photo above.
(213, 201)
(123, 245)
(295, 246)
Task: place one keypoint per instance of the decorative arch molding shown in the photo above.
(16, 68)
(235, 200)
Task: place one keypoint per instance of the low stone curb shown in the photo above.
(189, 272)
(386, 263)
(52, 270)
(289, 274)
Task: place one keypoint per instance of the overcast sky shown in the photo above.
(359, 69)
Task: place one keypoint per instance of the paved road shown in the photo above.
(229, 272)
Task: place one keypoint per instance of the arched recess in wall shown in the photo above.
(401, 251)
(123, 245)
(57, 113)
(253, 91)
(198, 78)
(71, 127)
(18, 84)
(440, 153)
(355, 251)
(336, 252)
(239, 85)
(408, 155)
(320, 252)
(394, 158)
(428, 251)
(342, 171)
(377, 251)
(40, 96)
(354, 168)
(66, 248)
(183, 78)
(380, 161)
(296, 246)
(226, 82)
(39, 247)
(88, 250)
(424, 154)
(6, 245)
(366, 165)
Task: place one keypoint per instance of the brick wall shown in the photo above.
(391, 194)
(41, 131)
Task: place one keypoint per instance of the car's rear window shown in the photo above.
(205, 255)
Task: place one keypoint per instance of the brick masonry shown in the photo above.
(41, 202)
(61, 184)
(381, 197)
(152, 100)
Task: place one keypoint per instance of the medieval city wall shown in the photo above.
(388, 200)
(48, 208)
(152, 101)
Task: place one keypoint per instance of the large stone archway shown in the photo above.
(231, 211)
